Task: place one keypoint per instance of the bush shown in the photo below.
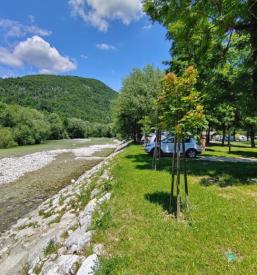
(57, 130)
(76, 128)
(6, 138)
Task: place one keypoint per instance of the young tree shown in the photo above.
(182, 114)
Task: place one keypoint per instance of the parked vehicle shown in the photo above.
(241, 138)
(192, 148)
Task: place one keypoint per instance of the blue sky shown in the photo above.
(90, 38)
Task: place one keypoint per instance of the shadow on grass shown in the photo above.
(162, 199)
(245, 154)
(222, 174)
(240, 153)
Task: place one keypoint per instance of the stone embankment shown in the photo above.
(53, 239)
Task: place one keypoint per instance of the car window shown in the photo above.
(170, 140)
(188, 140)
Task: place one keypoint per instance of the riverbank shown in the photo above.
(53, 238)
(29, 180)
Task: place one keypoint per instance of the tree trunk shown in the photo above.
(253, 34)
(154, 162)
(252, 137)
(208, 134)
(223, 136)
(229, 143)
(173, 171)
(178, 181)
(234, 135)
(185, 175)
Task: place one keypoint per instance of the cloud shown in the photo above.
(38, 53)
(83, 56)
(9, 59)
(147, 26)
(98, 13)
(16, 29)
(105, 47)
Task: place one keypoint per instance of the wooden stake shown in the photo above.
(173, 171)
(185, 175)
(178, 180)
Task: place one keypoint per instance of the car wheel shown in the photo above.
(191, 153)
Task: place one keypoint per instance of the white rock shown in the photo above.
(89, 266)
(62, 250)
(98, 249)
(64, 265)
(94, 193)
(21, 223)
(78, 240)
(26, 232)
(104, 198)
(105, 175)
(85, 218)
(68, 219)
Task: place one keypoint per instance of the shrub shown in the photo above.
(76, 128)
(6, 138)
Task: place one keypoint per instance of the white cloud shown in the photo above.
(83, 56)
(98, 13)
(9, 59)
(38, 53)
(105, 47)
(147, 26)
(16, 29)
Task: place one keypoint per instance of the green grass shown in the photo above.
(141, 238)
(238, 149)
(52, 145)
(51, 248)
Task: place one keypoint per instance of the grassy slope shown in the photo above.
(66, 95)
(143, 239)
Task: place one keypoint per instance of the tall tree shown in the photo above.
(135, 101)
(202, 34)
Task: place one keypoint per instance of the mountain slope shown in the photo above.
(68, 96)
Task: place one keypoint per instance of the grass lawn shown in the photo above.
(141, 238)
(238, 149)
(52, 145)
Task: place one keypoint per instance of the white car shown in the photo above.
(192, 148)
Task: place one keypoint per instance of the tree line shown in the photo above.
(219, 39)
(26, 126)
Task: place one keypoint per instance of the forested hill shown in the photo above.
(68, 96)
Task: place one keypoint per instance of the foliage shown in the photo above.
(6, 138)
(28, 126)
(51, 248)
(67, 96)
(76, 128)
(179, 104)
(219, 38)
(136, 101)
(57, 129)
